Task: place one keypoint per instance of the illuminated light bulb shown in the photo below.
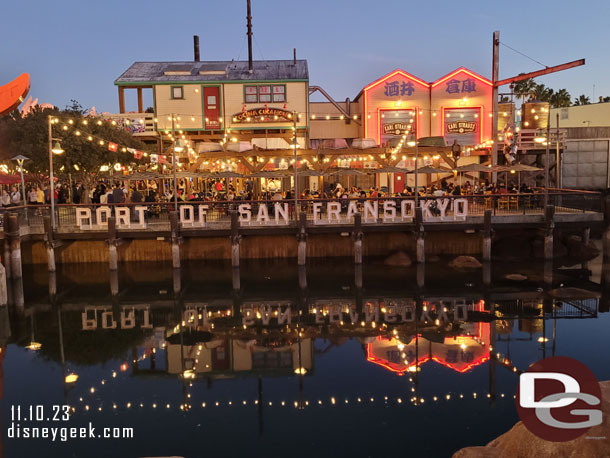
(332, 401)
(77, 133)
(85, 122)
(461, 115)
(448, 115)
(434, 114)
(196, 91)
(476, 115)
(533, 111)
(383, 115)
(65, 127)
(368, 116)
(99, 123)
(355, 116)
(101, 142)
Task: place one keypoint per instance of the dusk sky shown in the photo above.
(76, 49)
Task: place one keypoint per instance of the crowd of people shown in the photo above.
(114, 192)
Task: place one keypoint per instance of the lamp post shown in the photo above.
(178, 148)
(53, 149)
(20, 160)
(412, 142)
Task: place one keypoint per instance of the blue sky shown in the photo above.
(75, 49)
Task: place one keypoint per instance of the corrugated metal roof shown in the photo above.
(263, 70)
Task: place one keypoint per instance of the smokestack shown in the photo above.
(196, 47)
(249, 18)
(294, 55)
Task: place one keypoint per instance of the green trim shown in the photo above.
(152, 83)
(171, 92)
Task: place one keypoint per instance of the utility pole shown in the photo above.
(494, 120)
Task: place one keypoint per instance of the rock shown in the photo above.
(400, 258)
(462, 262)
(559, 249)
(520, 443)
(515, 277)
(581, 251)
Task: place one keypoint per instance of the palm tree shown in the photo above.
(524, 88)
(582, 100)
(561, 98)
(542, 93)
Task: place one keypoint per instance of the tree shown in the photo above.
(560, 99)
(524, 88)
(28, 135)
(582, 100)
(541, 93)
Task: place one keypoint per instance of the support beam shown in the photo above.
(140, 101)
(121, 99)
(357, 237)
(549, 217)
(546, 71)
(113, 258)
(175, 238)
(49, 244)
(235, 239)
(15, 244)
(302, 239)
(6, 256)
(420, 234)
(487, 236)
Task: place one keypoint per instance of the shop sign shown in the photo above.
(461, 127)
(396, 128)
(398, 89)
(262, 114)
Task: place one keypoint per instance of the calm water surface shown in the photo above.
(275, 361)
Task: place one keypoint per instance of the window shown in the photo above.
(251, 94)
(265, 94)
(211, 101)
(279, 93)
(177, 92)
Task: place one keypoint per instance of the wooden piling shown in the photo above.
(586, 235)
(175, 238)
(235, 239)
(549, 221)
(487, 236)
(420, 234)
(15, 244)
(302, 239)
(113, 258)
(49, 244)
(357, 236)
(6, 257)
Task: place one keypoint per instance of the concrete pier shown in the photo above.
(175, 239)
(549, 219)
(357, 235)
(302, 240)
(420, 234)
(113, 257)
(235, 239)
(14, 244)
(486, 249)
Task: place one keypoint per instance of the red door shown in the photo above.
(211, 107)
(399, 182)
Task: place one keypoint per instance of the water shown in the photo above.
(325, 388)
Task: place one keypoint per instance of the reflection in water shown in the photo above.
(321, 336)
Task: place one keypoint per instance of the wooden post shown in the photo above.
(358, 276)
(140, 102)
(114, 282)
(15, 244)
(549, 216)
(3, 287)
(175, 236)
(236, 278)
(235, 238)
(113, 260)
(121, 99)
(6, 257)
(302, 239)
(420, 235)
(302, 271)
(420, 275)
(49, 243)
(586, 235)
(177, 281)
(487, 236)
(357, 236)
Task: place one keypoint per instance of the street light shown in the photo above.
(53, 149)
(412, 142)
(20, 160)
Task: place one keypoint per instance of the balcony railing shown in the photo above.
(139, 124)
